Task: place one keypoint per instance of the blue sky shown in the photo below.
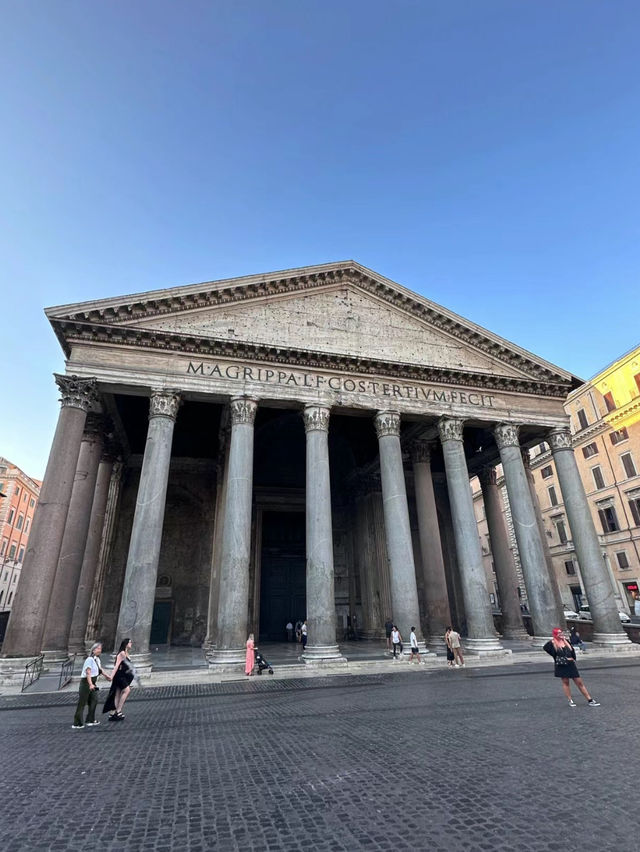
(483, 153)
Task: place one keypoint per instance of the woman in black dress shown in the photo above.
(564, 657)
(121, 678)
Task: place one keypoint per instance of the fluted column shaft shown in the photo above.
(91, 554)
(540, 596)
(55, 639)
(434, 578)
(138, 595)
(607, 630)
(512, 626)
(321, 609)
(480, 628)
(233, 600)
(404, 589)
(29, 611)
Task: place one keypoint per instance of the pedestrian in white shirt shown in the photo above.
(396, 641)
(88, 690)
(415, 651)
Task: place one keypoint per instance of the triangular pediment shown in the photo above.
(342, 310)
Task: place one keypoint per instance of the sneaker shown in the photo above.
(593, 703)
(91, 724)
(77, 727)
(456, 666)
(572, 703)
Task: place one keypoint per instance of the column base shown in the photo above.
(322, 655)
(484, 648)
(77, 646)
(54, 657)
(12, 670)
(141, 663)
(538, 641)
(615, 642)
(227, 660)
(435, 644)
(517, 633)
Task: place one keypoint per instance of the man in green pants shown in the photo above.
(88, 692)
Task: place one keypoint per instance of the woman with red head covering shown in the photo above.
(564, 657)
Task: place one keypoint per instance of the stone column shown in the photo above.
(55, 639)
(481, 639)
(233, 600)
(91, 554)
(404, 589)
(216, 555)
(512, 626)
(321, 608)
(543, 537)
(607, 630)
(434, 578)
(24, 631)
(542, 603)
(138, 594)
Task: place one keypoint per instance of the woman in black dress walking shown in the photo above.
(121, 677)
(564, 657)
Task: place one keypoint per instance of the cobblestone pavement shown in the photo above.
(449, 760)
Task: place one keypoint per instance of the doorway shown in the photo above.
(161, 623)
(283, 575)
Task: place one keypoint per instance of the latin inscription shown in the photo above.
(344, 384)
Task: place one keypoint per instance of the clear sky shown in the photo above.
(483, 153)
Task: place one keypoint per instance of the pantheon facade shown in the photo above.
(233, 455)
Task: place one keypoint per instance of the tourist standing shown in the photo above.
(121, 679)
(453, 642)
(396, 641)
(388, 627)
(415, 650)
(289, 629)
(250, 659)
(576, 641)
(88, 689)
(303, 634)
(564, 658)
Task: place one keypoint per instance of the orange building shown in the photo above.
(18, 500)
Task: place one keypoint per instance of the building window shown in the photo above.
(4, 546)
(590, 450)
(634, 505)
(17, 490)
(597, 476)
(9, 599)
(582, 418)
(628, 465)
(21, 554)
(542, 447)
(546, 472)
(20, 522)
(2, 487)
(609, 519)
(570, 568)
(32, 503)
(619, 435)
(12, 551)
(623, 562)
(1, 595)
(24, 496)
(26, 526)
(553, 497)
(562, 531)
(609, 401)
(10, 518)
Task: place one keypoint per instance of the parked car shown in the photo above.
(585, 613)
(570, 613)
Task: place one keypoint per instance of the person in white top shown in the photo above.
(88, 690)
(396, 641)
(415, 651)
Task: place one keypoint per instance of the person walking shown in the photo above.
(453, 642)
(88, 689)
(388, 627)
(250, 659)
(576, 641)
(415, 650)
(121, 679)
(564, 658)
(303, 634)
(289, 629)
(396, 641)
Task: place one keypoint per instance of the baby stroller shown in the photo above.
(261, 663)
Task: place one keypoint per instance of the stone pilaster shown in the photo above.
(542, 603)
(434, 579)
(24, 631)
(55, 639)
(481, 632)
(607, 630)
(512, 626)
(404, 589)
(321, 610)
(138, 595)
(233, 601)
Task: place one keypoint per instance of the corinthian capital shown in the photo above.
(506, 435)
(243, 410)
(164, 403)
(488, 476)
(387, 423)
(560, 439)
(316, 418)
(421, 451)
(450, 429)
(77, 392)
